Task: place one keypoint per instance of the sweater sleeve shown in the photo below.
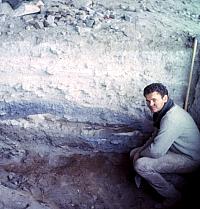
(163, 140)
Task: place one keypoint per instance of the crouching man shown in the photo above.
(174, 147)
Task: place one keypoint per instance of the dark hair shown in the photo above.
(158, 87)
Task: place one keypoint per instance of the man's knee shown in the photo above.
(142, 165)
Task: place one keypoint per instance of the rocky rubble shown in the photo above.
(63, 13)
(84, 15)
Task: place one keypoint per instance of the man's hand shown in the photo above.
(136, 156)
(135, 153)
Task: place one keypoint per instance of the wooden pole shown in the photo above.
(190, 76)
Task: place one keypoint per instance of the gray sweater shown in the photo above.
(178, 133)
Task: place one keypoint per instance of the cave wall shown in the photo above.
(89, 78)
(81, 81)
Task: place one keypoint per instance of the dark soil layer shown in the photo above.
(99, 181)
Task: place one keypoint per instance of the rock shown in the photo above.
(17, 199)
(38, 24)
(50, 21)
(127, 18)
(82, 3)
(6, 9)
(28, 18)
(89, 22)
(26, 9)
(115, 141)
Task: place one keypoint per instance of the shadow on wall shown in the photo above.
(71, 112)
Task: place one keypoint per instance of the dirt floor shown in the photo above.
(93, 181)
(98, 181)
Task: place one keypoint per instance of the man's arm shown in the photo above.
(135, 153)
(159, 146)
(150, 140)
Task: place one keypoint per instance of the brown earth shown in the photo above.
(92, 181)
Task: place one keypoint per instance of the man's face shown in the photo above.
(155, 101)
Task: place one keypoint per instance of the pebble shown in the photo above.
(38, 24)
(28, 18)
(115, 141)
(89, 22)
(127, 18)
(50, 20)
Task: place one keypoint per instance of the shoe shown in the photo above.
(138, 180)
